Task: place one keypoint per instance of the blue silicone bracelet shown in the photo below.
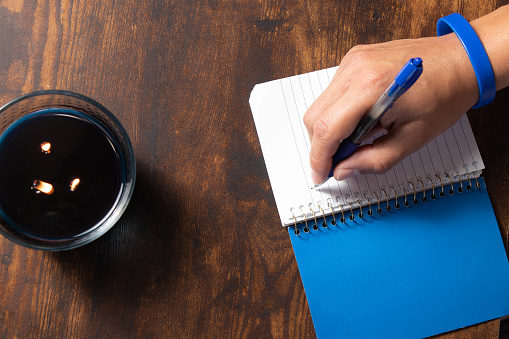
(476, 52)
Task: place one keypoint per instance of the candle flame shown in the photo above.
(75, 184)
(41, 186)
(46, 147)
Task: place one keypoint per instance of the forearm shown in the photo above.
(493, 30)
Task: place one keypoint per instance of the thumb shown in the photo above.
(380, 156)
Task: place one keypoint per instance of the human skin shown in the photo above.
(446, 89)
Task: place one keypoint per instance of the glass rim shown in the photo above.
(117, 208)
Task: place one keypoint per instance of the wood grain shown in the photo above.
(199, 252)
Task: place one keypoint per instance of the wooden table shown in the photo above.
(200, 251)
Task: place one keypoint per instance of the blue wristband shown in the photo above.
(476, 52)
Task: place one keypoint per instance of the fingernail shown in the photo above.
(316, 178)
(345, 173)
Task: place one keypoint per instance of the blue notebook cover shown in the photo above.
(411, 272)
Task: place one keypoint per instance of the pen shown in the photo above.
(406, 77)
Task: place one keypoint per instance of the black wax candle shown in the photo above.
(60, 174)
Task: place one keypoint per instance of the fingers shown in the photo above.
(329, 96)
(385, 152)
(339, 120)
(334, 125)
(346, 73)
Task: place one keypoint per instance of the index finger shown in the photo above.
(334, 125)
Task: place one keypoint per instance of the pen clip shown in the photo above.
(408, 75)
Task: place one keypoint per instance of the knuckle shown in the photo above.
(321, 129)
(357, 48)
(362, 57)
(308, 120)
(358, 54)
(373, 78)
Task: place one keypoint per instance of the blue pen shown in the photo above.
(406, 77)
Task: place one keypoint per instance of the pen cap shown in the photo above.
(409, 73)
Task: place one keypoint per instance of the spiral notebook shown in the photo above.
(408, 254)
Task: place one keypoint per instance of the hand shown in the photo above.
(446, 89)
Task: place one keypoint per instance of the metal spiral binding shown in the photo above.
(378, 210)
(423, 191)
(362, 200)
(361, 215)
(370, 212)
(433, 195)
(469, 186)
(442, 194)
(405, 203)
(306, 228)
(415, 192)
(352, 217)
(315, 226)
(388, 207)
(396, 204)
(296, 230)
(460, 189)
(342, 220)
(477, 184)
(333, 222)
(451, 191)
(324, 224)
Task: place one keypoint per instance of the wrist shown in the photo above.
(453, 72)
(476, 53)
(493, 31)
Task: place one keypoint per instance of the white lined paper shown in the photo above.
(278, 108)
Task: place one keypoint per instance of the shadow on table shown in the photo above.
(504, 328)
(136, 263)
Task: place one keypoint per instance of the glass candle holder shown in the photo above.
(67, 170)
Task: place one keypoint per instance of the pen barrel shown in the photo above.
(345, 149)
(383, 104)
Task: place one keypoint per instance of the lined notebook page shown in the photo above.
(278, 108)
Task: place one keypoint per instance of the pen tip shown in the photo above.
(318, 185)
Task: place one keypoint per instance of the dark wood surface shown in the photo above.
(200, 251)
